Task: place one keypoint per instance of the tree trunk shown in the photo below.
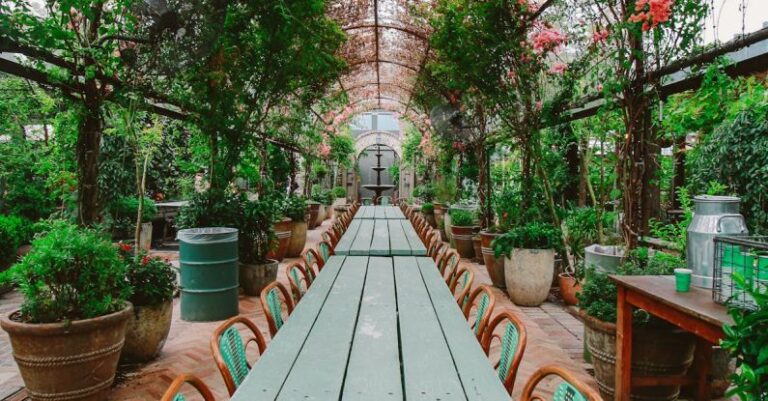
(88, 143)
(678, 179)
(484, 186)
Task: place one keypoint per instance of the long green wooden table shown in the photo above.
(374, 328)
(380, 237)
(379, 212)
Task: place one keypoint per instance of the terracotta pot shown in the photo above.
(283, 234)
(430, 217)
(528, 274)
(321, 215)
(569, 287)
(439, 212)
(314, 213)
(253, 278)
(147, 331)
(495, 266)
(658, 349)
(478, 248)
(447, 227)
(74, 360)
(298, 239)
(462, 236)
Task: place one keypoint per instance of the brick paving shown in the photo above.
(554, 337)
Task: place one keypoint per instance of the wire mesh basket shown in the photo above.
(743, 256)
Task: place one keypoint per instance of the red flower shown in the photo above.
(125, 247)
(144, 260)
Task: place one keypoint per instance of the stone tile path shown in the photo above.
(554, 337)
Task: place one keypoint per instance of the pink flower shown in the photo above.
(511, 75)
(558, 68)
(539, 105)
(547, 39)
(599, 87)
(600, 36)
(652, 12)
(325, 150)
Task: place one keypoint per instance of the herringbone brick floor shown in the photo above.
(554, 337)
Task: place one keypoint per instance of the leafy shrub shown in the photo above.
(425, 192)
(14, 231)
(462, 218)
(534, 235)
(598, 295)
(339, 192)
(736, 154)
(71, 273)
(321, 195)
(124, 209)
(581, 229)
(210, 209)
(295, 208)
(152, 280)
(747, 341)
(257, 234)
(427, 208)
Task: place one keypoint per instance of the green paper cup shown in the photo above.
(683, 280)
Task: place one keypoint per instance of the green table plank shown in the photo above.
(380, 242)
(318, 373)
(373, 373)
(345, 243)
(398, 243)
(478, 378)
(428, 368)
(394, 212)
(362, 242)
(268, 375)
(366, 212)
(417, 247)
(380, 212)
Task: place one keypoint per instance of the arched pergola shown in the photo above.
(378, 137)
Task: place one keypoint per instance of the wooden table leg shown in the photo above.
(623, 346)
(702, 370)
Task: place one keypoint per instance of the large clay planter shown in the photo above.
(283, 234)
(314, 215)
(448, 229)
(328, 211)
(68, 361)
(440, 217)
(528, 274)
(569, 287)
(298, 239)
(494, 265)
(658, 349)
(147, 331)
(478, 248)
(462, 236)
(253, 278)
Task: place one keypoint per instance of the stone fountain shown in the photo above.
(379, 187)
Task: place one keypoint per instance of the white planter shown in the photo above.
(528, 274)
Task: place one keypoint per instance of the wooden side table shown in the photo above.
(692, 311)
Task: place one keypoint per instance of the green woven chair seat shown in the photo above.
(179, 397)
(509, 341)
(273, 301)
(482, 308)
(566, 392)
(325, 251)
(233, 352)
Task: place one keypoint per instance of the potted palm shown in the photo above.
(257, 237)
(529, 264)
(73, 317)
(153, 283)
(462, 228)
(296, 210)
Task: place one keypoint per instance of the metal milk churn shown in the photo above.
(713, 216)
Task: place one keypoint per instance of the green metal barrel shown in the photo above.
(209, 273)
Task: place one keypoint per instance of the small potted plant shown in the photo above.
(462, 228)
(153, 283)
(257, 237)
(339, 195)
(494, 265)
(69, 332)
(296, 210)
(529, 266)
(428, 210)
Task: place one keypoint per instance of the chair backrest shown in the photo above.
(384, 200)
(433, 243)
(482, 301)
(367, 201)
(173, 394)
(448, 264)
(510, 331)
(311, 259)
(442, 248)
(328, 236)
(571, 388)
(326, 250)
(460, 284)
(299, 279)
(273, 297)
(338, 230)
(229, 350)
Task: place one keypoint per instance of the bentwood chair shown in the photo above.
(299, 279)
(478, 309)
(433, 241)
(326, 250)
(384, 200)
(460, 284)
(229, 350)
(510, 332)
(173, 394)
(449, 264)
(439, 251)
(329, 237)
(570, 389)
(274, 298)
(312, 262)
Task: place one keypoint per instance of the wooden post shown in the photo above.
(623, 346)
